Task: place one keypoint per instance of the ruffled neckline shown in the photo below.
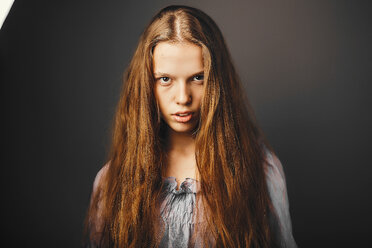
(189, 185)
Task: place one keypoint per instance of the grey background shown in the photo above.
(306, 66)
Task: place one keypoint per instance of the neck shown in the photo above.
(180, 161)
(181, 143)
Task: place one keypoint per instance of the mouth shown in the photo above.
(183, 117)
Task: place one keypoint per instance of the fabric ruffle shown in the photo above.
(189, 185)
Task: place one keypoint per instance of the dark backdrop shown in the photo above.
(306, 66)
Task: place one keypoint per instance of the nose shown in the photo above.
(183, 96)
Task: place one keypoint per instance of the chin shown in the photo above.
(182, 129)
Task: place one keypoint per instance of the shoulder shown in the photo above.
(96, 208)
(100, 176)
(275, 176)
(276, 184)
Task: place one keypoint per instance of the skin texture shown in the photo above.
(178, 70)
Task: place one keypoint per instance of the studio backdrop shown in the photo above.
(305, 66)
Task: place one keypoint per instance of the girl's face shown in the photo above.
(179, 77)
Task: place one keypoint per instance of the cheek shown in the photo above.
(156, 91)
(158, 94)
(161, 100)
(199, 96)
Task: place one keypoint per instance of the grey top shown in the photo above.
(177, 206)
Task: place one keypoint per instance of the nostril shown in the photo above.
(184, 99)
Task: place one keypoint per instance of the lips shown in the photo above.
(183, 116)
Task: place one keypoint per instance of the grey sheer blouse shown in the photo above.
(177, 207)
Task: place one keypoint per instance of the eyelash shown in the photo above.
(201, 78)
(162, 78)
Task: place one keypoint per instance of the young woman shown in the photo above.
(188, 165)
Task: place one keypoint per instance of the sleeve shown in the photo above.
(95, 214)
(280, 218)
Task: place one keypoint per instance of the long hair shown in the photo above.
(229, 148)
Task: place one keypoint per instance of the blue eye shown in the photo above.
(198, 77)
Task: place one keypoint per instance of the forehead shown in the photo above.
(181, 58)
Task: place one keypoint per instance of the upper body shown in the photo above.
(178, 200)
(182, 114)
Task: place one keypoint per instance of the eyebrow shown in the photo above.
(163, 74)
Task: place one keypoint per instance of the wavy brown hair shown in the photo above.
(229, 149)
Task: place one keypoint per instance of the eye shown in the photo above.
(198, 78)
(164, 80)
